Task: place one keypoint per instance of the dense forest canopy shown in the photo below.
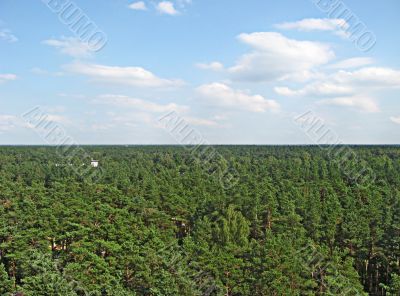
(157, 221)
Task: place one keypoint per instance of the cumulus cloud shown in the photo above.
(358, 88)
(132, 76)
(140, 5)
(167, 7)
(276, 57)
(7, 77)
(395, 119)
(70, 46)
(7, 36)
(214, 66)
(316, 89)
(222, 95)
(139, 104)
(337, 26)
(370, 77)
(348, 83)
(361, 103)
(352, 63)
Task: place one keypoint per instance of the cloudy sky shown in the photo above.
(238, 72)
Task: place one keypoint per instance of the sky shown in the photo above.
(236, 72)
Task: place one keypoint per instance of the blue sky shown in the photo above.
(238, 72)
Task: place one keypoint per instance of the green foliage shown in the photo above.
(394, 286)
(232, 228)
(157, 221)
(6, 285)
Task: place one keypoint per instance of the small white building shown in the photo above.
(94, 163)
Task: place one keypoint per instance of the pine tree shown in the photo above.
(6, 284)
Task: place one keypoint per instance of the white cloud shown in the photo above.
(183, 3)
(73, 96)
(303, 76)
(140, 5)
(214, 66)
(220, 117)
(395, 119)
(139, 104)
(131, 120)
(7, 77)
(201, 121)
(46, 117)
(167, 7)
(348, 83)
(276, 57)
(40, 71)
(133, 76)
(100, 127)
(361, 103)
(358, 89)
(352, 63)
(135, 119)
(7, 36)
(222, 95)
(316, 89)
(54, 109)
(337, 26)
(370, 77)
(70, 46)
(8, 122)
(58, 119)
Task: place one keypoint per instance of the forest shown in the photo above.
(157, 220)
